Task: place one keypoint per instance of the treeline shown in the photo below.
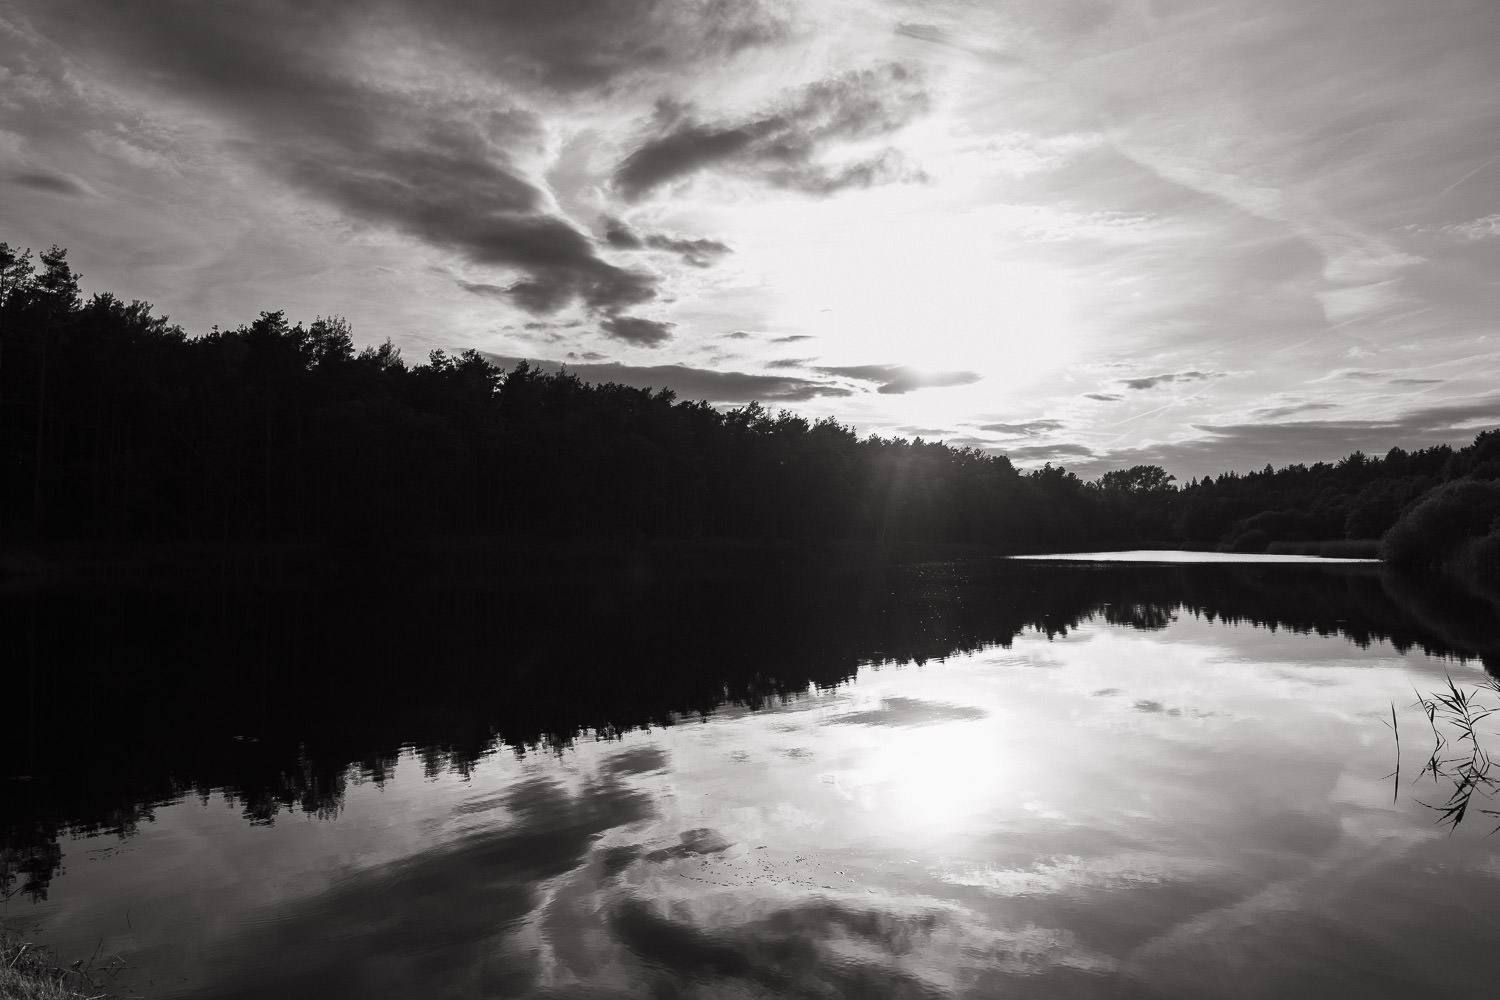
(118, 425)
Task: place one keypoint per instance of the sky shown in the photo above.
(1207, 235)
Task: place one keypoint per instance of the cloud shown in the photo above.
(817, 948)
(694, 383)
(53, 182)
(480, 882)
(1152, 381)
(1242, 447)
(897, 379)
(698, 253)
(737, 335)
(1029, 428)
(1048, 452)
(1290, 409)
(791, 339)
(445, 167)
(789, 363)
(487, 289)
(1415, 381)
(1104, 397)
(1473, 231)
(635, 330)
(782, 147)
(910, 712)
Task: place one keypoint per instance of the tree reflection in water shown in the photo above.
(126, 699)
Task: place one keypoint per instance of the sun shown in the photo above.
(929, 289)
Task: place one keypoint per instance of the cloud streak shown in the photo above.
(693, 383)
(1152, 381)
(697, 252)
(1217, 447)
(783, 147)
(894, 380)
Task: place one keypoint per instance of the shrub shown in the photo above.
(1434, 530)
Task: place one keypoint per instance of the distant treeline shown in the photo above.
(117, 425)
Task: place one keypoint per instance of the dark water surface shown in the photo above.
(1024, 779)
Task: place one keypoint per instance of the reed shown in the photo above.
(29, 971)
(1459, 760)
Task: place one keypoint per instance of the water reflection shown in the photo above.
(1122, 781)
(133, 699)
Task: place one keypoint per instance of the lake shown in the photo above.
(1039, 778)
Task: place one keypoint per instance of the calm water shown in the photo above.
(1019, 779)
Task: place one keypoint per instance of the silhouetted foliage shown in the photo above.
(117, 425)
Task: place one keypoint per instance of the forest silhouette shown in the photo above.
(118, 426)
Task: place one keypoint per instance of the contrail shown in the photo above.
(1486, 164)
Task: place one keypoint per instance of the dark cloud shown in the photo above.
(1104, 397)
(444, 170)
(1415, 381)
(52, 183)
(737, 335)
(698, 253)
(699, 841)
(1291, 409)
(1152, 381)
(1029, 428)
(635, 330)
(798, 950)
(1244, 447)
(897, 379)
(426, 914)
(789, 363)
(1048, 452)
(573, 45)
(792, 338)
(492, 291)
(620, 236)
(695, 383)
(909, 712)
(638, 760)
(781, 147)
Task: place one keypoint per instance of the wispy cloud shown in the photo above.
(52, 182)
(697, 252)
(1219, 447)
(898, 379)
(1485, 228)
(1291, 409)
(1152, 381)
(1048, 452)
(783, 147)
(1028, 428)
(694, 383)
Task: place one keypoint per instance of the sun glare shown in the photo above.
(929, 291)
(929, 779)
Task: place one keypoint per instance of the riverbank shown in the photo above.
(29, 971)
(443, 560)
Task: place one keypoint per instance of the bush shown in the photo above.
(1433, 532)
